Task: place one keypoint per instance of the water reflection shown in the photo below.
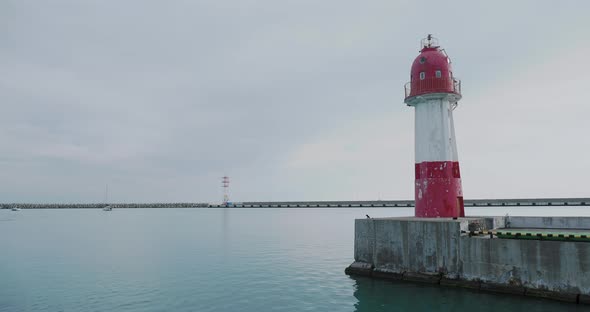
(382, 295)
(225, 231)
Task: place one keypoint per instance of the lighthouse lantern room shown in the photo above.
(434, 93)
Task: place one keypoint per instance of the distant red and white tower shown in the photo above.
(434, 92)
(225, 185)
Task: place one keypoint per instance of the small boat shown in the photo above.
(108, 208)
(15, 208)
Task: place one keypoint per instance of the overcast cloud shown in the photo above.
(294, 100)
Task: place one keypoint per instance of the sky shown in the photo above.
(293, 100)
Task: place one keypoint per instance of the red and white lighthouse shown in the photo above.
(434, 92)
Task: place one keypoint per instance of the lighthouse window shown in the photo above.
(422, 75)
(438, 74)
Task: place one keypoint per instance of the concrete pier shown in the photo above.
(446, 252)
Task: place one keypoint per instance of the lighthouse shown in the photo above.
(434, 92)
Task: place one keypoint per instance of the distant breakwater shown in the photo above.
(307, 204)
(100, 205)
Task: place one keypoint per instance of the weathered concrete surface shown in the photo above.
(398, 245)
(584, 299)
(549, 222)
(547, 265)
(387, 275)
(493, 222)
(360, 268)
(460, 283)
(566, 297)
(502, 288)
(364, 240)
(435, 251)
(431, 278)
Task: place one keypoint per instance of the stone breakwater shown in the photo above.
(101, 205)
(311, 204)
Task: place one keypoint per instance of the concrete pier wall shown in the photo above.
(408, 244)
(549, 222)
(557, 266)
(434, 250)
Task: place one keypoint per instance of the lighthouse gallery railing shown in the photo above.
(433, 85)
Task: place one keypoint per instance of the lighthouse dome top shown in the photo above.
(432, 72)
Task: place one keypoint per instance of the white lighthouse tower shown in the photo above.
(434, 92)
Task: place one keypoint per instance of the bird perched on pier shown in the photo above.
(368, 217)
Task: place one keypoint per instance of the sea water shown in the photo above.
(224, 259)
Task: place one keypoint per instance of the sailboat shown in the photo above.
(106, 200)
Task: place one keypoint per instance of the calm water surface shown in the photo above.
(215, 260)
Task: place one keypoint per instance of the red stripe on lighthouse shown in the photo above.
(438, 169)
(438, 190)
